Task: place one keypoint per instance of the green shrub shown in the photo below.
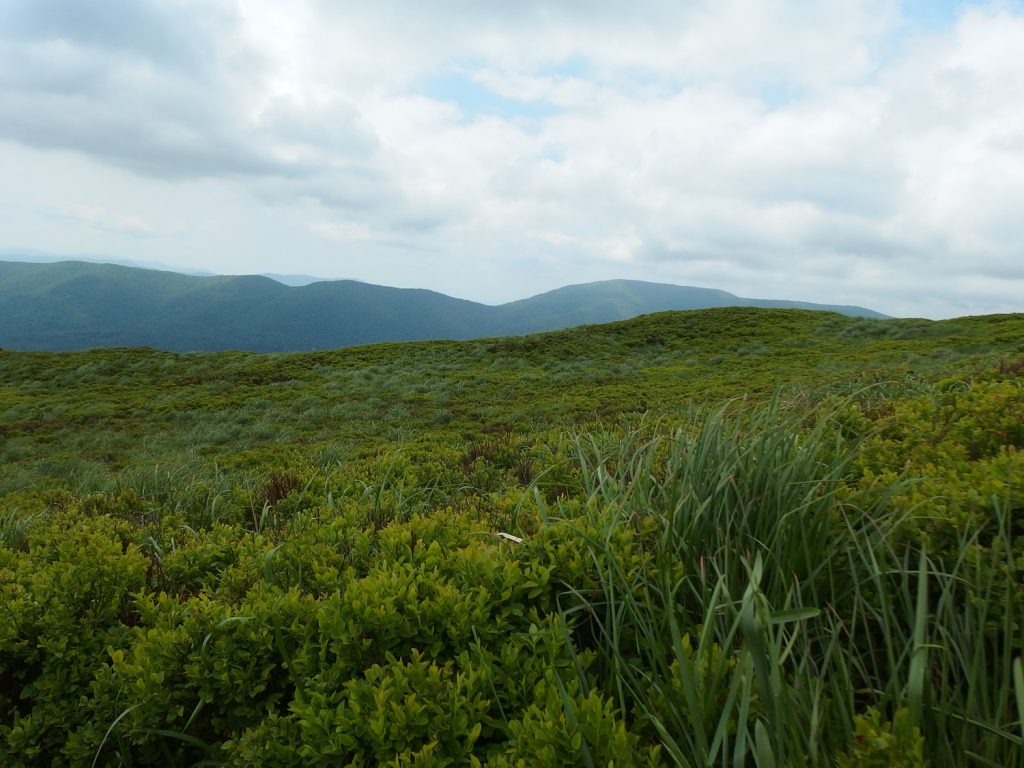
(880, 743)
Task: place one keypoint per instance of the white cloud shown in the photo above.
(830, 152)
(114, 222)
(342, 231)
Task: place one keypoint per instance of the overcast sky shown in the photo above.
(851, 151)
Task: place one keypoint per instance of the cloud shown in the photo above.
(112, 222)
(749, 145)
(140, 84)
(142, 29)
(172, 90)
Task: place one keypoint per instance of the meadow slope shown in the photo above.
(724, 537)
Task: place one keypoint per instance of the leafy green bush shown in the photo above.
(879, 743)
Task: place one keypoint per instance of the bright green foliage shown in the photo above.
(879, 743)
(569, 730)
(720, 538)
(65, 603)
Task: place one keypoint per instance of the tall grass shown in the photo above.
(752, 604)
(198, 492)
(14, 528)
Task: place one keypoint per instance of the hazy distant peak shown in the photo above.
(68, 305)
(33, 256)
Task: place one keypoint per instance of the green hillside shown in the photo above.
(74, 305)
(78, 305)
(733, 536)
(612, 300)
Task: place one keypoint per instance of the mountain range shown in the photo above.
(73, 305)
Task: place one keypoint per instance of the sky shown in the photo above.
(865, 152)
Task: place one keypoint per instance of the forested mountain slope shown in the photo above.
(77, 305)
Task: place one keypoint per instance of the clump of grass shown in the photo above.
(199, 493)
(752, 606)
(14, 528)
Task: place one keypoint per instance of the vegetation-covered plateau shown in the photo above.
(730, 537)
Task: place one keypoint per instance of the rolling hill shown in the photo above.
(77, 305)
(781, 531)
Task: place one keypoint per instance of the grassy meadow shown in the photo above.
(729, 537)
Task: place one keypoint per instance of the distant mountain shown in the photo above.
(75, 305)
(295, 280)
(611, 300)
(34, 256)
